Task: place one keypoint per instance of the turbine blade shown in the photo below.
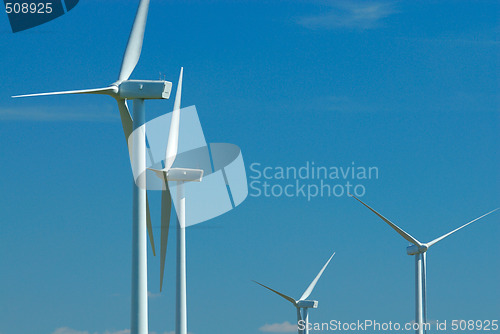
(391, 224)
(150, 226)
(166, 208)
(134, 45)
(177, 102)
(173, 135)
(111, 90)
(127, 123)
(311, 286)
(290, 299)
(455, 230)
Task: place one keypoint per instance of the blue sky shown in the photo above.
(409, 87)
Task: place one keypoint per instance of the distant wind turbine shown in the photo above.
(303, 305)
(419, 249)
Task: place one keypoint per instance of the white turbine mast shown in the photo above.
(419, 250)
(137, 90)
(302, 304)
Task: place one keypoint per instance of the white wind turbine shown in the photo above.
(180, 176)
(138, 91)
(303, 305)
(419, 249)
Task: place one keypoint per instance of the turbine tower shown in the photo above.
(303, 305)
(419, 250)
(138, 91)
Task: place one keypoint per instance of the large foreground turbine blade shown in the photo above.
(173, 135)
(290, 299)
(127, 122)
(455, 230)
(311, 286)
(166, 208)
(134, 45)
(104, 91)
(391, 224)
(128, 126)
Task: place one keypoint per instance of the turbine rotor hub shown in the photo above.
(414, 249)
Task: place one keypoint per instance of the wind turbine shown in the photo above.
(138, 91)
(419, 250)
(303, 305)
(180, 176)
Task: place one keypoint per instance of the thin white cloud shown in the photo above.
(57, 114)
(153, 295)
(67, 330)
(351, 15)
(285, 327)
(123, 331)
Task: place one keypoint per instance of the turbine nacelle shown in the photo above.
(179, 174)
(307, 304)
(415, 249)
(144, 89)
